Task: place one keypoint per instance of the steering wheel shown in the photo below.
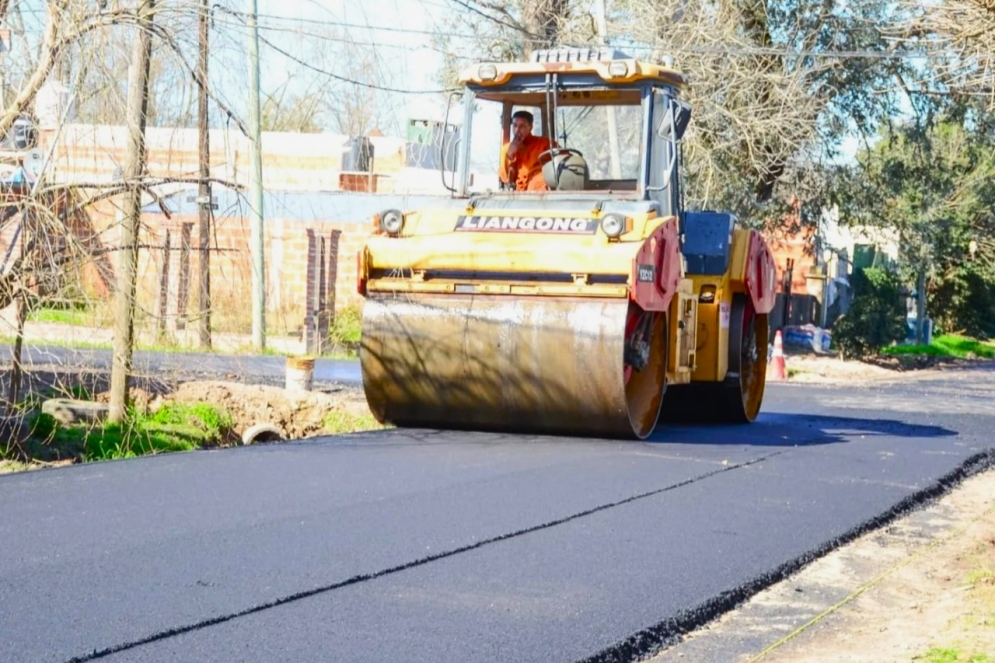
(552, 152)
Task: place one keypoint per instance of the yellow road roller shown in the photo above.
(561, 288)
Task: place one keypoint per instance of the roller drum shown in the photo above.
(524, 365)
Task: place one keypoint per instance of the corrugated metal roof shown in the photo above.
(294, 205)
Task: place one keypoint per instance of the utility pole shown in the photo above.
(612, 118)
(204, 187)
(256, 185)
(134, 168)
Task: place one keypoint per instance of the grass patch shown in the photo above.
(981, 575)
(345, 331)
(948, 345)
(337, 423)
(212, 421)
(62, 316)
(945, 655)
(57, 343)
(174, 427)
(129, 441)
(13, 466)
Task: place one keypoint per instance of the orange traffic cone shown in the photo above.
(777, 371)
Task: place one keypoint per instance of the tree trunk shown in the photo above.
(921, 306)
(134, 167)
(17, 367)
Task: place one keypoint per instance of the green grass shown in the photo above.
(174, 427)
(63, 316)
(948, 345)
(981, 574)
(83, 345)
(945, 655)
(337, 422)
(345, 331)
(214, 422)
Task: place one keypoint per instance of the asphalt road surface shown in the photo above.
(152, 363)
(429, 546)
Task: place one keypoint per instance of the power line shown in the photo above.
(622, 42)
(339, 77)
(717, 50)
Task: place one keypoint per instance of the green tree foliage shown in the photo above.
(964, 302)
(876, 318)
(931, 182)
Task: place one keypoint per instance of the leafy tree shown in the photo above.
(876, 318)
(930, 180)
(964, 302)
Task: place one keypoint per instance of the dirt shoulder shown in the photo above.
(826, 369)
(922, 589)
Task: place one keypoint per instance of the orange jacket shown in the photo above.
(525, 169)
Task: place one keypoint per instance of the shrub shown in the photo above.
(345, 330)
(964, 302)
(877, 316)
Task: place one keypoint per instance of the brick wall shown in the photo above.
(787, 243)
(289, 245)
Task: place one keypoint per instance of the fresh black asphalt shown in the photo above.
(429, 546)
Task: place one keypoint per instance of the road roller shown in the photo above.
(583, 301)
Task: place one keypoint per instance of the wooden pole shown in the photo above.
(134, 168)
(204, 188)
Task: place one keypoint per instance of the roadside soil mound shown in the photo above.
(296, 414)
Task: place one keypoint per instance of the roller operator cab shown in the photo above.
(582, 302)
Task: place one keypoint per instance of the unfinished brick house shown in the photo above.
(317, 209)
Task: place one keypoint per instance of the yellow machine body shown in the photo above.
(563, 311)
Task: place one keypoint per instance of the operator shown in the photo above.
(520, 157)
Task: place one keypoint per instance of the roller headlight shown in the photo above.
(613, 225)
(618, 69)
(487, 72)
(391, 221)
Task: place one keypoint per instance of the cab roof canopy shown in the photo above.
(610, 65)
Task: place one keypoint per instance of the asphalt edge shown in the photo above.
(653, 639)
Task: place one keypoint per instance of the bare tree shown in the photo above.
(959, 38)
(772, 89)
(338, 84)
(510, 30)
(771, 94)
(287, 111)
(66, 22)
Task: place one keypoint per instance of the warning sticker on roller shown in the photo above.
(527, 224)
(724, 315)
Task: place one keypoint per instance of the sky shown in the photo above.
(397, 32)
